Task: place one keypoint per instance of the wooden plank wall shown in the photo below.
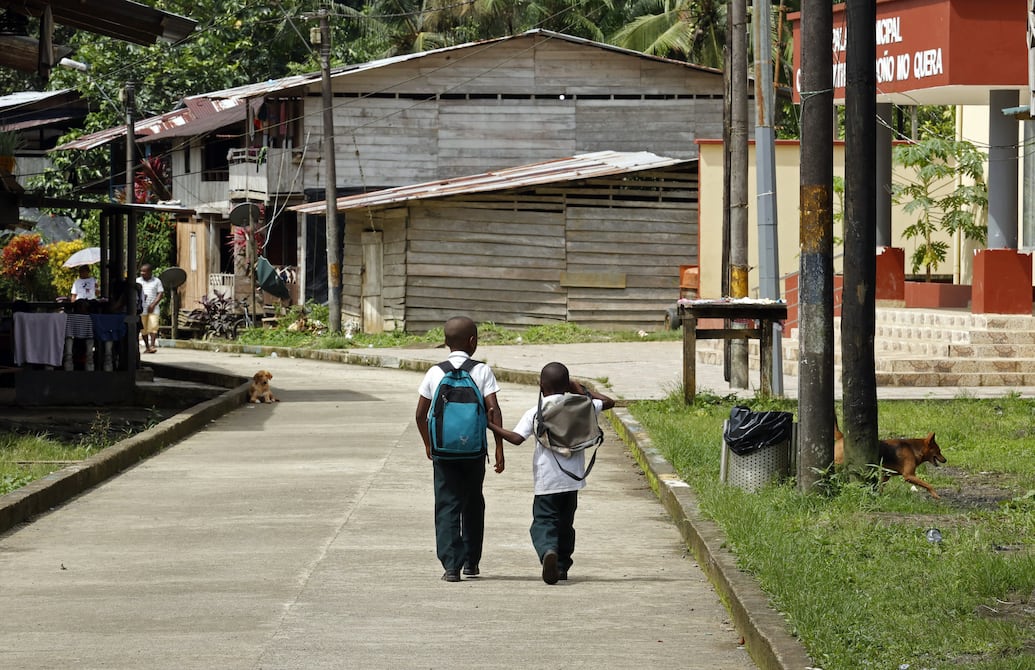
(485, 107)
(604, 253)
(392, 224)
(494, 259)
(638, 229)
(196, 285)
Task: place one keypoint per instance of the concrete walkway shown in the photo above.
(299, 535)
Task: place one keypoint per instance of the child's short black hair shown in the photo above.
(554, 378)
(458, 331)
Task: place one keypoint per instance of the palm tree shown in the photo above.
(690, 30)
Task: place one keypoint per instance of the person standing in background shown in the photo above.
(84, 288)
(152, 289)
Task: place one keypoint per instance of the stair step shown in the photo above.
(926, 348)
(957, 365)
(961, 381)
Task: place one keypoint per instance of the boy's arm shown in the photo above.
(494, 415)
(502, 433)
(423, 405)
(585, 390)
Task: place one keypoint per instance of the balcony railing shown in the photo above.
(261, 173)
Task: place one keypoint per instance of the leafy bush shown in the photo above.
(61, 277)
(218, 316)
(25, 263)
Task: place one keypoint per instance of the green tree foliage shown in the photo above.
(948, 191)
(694, 31)
(237, 42)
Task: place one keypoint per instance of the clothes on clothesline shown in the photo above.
(39, 339)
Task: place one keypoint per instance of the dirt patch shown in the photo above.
(977, 490)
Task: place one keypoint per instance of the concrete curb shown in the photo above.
(766, 636)
(58, 487)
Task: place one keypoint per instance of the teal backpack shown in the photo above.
(456, 420)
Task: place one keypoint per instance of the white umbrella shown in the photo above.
(87, 256)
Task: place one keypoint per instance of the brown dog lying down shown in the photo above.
(259, 391)
(900, 455)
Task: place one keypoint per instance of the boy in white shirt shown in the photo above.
(84, 288)
(556, 492)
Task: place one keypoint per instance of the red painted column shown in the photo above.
(891, 274)
(1002, 282)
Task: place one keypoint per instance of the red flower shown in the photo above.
(23, 256)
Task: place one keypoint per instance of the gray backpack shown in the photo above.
(567, 426)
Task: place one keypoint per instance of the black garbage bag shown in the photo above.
(748, 431)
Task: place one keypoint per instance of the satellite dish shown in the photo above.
(245, 214)
(173, 277)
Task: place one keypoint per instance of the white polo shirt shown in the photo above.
(481, 374)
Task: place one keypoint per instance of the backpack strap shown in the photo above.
(592, 460)
(467, 366)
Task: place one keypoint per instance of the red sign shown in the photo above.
(936, 51)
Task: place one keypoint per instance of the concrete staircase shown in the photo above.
(915, 347)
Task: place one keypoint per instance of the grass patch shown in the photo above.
(313, 334)
(852, 570)
(26, 458)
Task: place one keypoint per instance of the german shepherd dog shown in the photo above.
(900, 455)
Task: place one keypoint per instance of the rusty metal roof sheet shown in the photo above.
(582, 166)
(198, 115)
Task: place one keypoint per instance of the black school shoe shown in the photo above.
(451, 576)
(550, 572)
(471, 571)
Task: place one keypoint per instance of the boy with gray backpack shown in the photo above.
(565, 425)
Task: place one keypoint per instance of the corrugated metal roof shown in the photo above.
(582, 166)
(198, 115)
(23, 98)
(122, 19)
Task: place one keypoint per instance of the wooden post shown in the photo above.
(689, 322)
(765, 355)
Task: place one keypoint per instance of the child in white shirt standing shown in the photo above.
(84, 288)
(556, 491)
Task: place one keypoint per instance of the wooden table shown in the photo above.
(764, 313)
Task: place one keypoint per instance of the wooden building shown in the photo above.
(595, 239)
(409, 119)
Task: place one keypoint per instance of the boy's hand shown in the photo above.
(498, 467)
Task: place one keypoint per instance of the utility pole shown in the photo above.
(765, 172)
(738, 182)
(858, 307)
(816, 282)
(334, 240)
(129, 95)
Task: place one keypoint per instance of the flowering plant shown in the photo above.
(22, 260)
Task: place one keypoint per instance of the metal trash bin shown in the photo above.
(762, 454)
